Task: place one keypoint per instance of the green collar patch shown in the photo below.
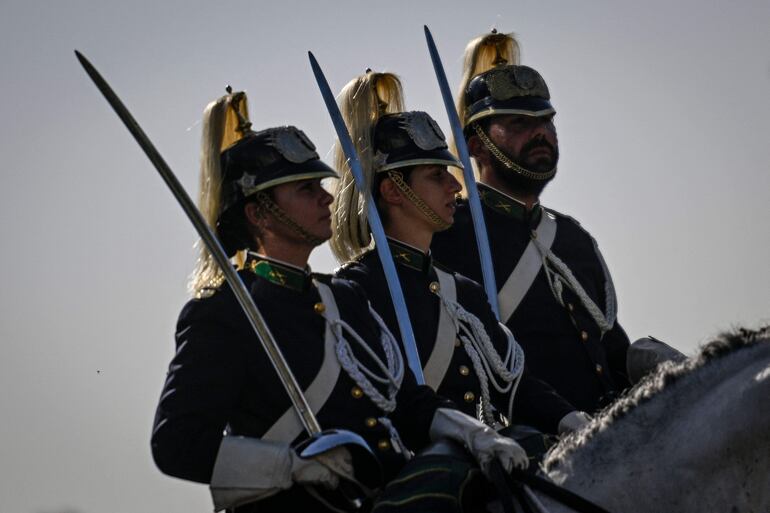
(280, 273)
(409, 256)
(508, 206)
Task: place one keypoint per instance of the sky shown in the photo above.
(664, 129)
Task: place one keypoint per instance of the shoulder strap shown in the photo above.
(288, 426)
(438, 362)
(520, 280)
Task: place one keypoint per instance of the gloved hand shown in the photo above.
(573, 421)
(250, 469)
(323, 469)
(482, 441)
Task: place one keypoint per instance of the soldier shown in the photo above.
(467, 355)
(223, 417)
(555, 292)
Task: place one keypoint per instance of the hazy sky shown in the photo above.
(663, 111)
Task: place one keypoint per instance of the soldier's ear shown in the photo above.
(255, 217)
(477, 150)
(389, 192)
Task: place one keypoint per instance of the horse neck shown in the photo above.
(704, 430)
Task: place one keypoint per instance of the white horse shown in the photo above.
(692, 436)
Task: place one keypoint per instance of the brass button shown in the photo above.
(319, 308)
(464, 371)
(357, 393)
(599, 369)
(469, 397)
(371, 422)
(383, 445)
(434, 286)
(457, 342)
(584, 336)
(570, 307)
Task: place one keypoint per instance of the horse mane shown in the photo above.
(667, 374)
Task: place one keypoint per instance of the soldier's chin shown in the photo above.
(522, 184)
(541, 165)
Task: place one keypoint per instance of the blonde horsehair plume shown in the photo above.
(222, 126)
(482, 54)
(362, 102)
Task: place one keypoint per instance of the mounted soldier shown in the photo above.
(224, 417)
(466, 355)
(554, 289)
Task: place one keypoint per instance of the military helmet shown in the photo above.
(509, 89)
(267, 158)
(406, 139)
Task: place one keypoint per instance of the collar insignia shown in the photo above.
(508, 206)
(409, 256)
(279, 273)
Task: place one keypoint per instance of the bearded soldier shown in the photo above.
(223, 417)
(554, 290)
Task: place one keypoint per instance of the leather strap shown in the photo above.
(288, 426)
(523, 276)
(443, 348)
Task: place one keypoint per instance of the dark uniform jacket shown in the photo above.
(221, 377)
(536, 403)
(563, 344)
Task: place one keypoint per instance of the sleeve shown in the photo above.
(538, 404)
(616, 346)
(199, 396)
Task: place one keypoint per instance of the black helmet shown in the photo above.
(511, 89)
(408, 139)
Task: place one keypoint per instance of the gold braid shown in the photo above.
(268, 205)
(428, 212)
(508, 162)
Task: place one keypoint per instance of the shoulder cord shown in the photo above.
(559, 275)
(519, 358)
(486, 361)
(393, 371)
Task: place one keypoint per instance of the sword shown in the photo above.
(378, 232)
(479, 226)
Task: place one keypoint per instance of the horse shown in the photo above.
(690, 436)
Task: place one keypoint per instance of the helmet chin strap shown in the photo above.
(507, 162)
(423, 207)
(268, 205)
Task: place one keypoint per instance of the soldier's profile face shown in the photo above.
(437, 187)
(529, 141)
(306, 202)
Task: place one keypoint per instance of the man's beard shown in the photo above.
(521, 184)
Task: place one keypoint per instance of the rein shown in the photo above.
(519, 478)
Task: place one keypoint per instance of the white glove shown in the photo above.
(573, 421)
(482, 441)
(323, 469)
(250, 469)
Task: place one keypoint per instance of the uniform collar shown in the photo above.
(278, 272)
(409, 256)
(508, 206)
